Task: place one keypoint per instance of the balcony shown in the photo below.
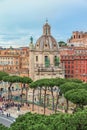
(50, 69)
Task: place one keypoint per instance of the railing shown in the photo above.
(51, 68)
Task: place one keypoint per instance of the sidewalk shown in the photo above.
(37, 109)
(24, 109)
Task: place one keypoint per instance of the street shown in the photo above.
(7, 121)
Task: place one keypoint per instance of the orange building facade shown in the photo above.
(75, 63)
(15, 61)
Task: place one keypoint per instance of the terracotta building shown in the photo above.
(75, 63)
(15, 61)
(78, 39)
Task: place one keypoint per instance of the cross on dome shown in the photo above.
(46, 20)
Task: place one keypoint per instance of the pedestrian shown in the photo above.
(7, 114)
(35, 99)
(2, 112)
(28, 105)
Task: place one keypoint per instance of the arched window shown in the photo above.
(36, 58)
(47, 61)
(45, 45)
(54, 45)
(79, 36)
(74, 37)
(56, 61)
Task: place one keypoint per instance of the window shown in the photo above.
(16, 67)
(79, 36)
(11, 62)
(56, 61)
(72, 71)
(74, 36)
(8, 62)
(16, 62)
(47, 61)
(45, 45)
(36, 58)
(68, 66)
(72, 66)
(68, 71)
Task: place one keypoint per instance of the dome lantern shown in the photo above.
(46, 29)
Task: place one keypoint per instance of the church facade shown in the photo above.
(44, 57)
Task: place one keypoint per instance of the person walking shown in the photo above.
(7, 114)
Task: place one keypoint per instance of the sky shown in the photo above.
(21, 19)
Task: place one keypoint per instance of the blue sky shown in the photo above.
(19, 19)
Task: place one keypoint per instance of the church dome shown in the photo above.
(46, 41)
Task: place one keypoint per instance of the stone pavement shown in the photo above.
(24, 109)
(37, 109)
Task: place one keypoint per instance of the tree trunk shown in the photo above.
(40, 96)
(33, 100)
(27, 93)
(57, 101)
(52, 99)
(67, 106)
(45, 100)
(9, 92)
(21, 94)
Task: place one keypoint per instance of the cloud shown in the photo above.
(20, 38)
(20, 19)
(15, 43)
